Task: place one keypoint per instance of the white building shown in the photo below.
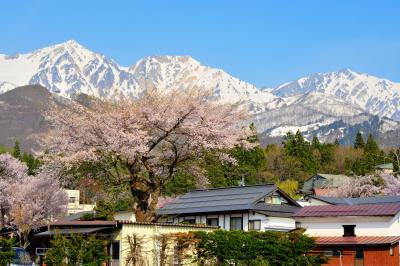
(261, 207)
(74, 205)
(358, 220)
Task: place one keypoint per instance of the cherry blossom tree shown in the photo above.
(34, 203)
(142, 143)
(392, 184)
(358, 186)
(12, 171)
(28, 202)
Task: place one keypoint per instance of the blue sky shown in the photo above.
(263, 42)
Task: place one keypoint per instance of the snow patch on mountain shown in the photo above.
(69, 68)
(324, 104)
(372, 94)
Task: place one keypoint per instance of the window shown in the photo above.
(212, 221)
(359, 253)
(189, 221)
(275, 199)
(348, 230)
(332, 252)
(391, 250)
(72, 200)
(115, 250)
(236, 223)
(254, 225)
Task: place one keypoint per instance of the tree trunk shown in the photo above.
(146, 199)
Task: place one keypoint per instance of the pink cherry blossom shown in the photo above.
(149, 138)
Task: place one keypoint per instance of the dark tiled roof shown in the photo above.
(70, 231)
(357, 201)
(389, 209)
(170, 224)
(218, 200)
(83, 223)
(276, 210)
(356, 240)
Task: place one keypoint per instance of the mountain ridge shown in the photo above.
(319, 104)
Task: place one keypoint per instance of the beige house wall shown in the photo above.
(148, 235)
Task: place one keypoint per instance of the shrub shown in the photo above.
(77, 250)
(256, 248)
(6, 251)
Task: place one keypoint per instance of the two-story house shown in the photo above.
(260, 207)
(364, 234)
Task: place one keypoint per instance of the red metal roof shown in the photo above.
(356, 240)
(388, 209)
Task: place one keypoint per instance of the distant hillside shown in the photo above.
(22, 115)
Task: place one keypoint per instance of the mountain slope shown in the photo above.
(374, 95)
(69, 68)
(323, 104)
(22, 115)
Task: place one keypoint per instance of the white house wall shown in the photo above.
(267, 222)
(365, 226)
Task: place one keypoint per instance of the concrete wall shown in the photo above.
(125, 216)
(365, 226)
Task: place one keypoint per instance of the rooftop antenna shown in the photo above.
(241, 182)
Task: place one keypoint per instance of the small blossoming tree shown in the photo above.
(28, 202)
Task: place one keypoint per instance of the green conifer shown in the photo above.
(359, 141)
(16, 150)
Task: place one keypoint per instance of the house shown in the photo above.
(74, 205)
(260, 207)
(120, 234)
(365, 234)
(323, 200)
(149, 235)
(386, 168)
(322, 184)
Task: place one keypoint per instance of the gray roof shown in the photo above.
(70, 231)
(276, 210)
(358, 201)
(220, 200)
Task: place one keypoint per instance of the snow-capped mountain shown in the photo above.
(69, 68)
(374, 95)
(330, 105)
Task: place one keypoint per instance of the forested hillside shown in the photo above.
(287, 165)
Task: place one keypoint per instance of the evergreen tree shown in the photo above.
(336, 143)
(253, 138)
(359, 141)
(16, 150)
(296, 146)
(315, 142)
(32, 163)
(371, 147)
